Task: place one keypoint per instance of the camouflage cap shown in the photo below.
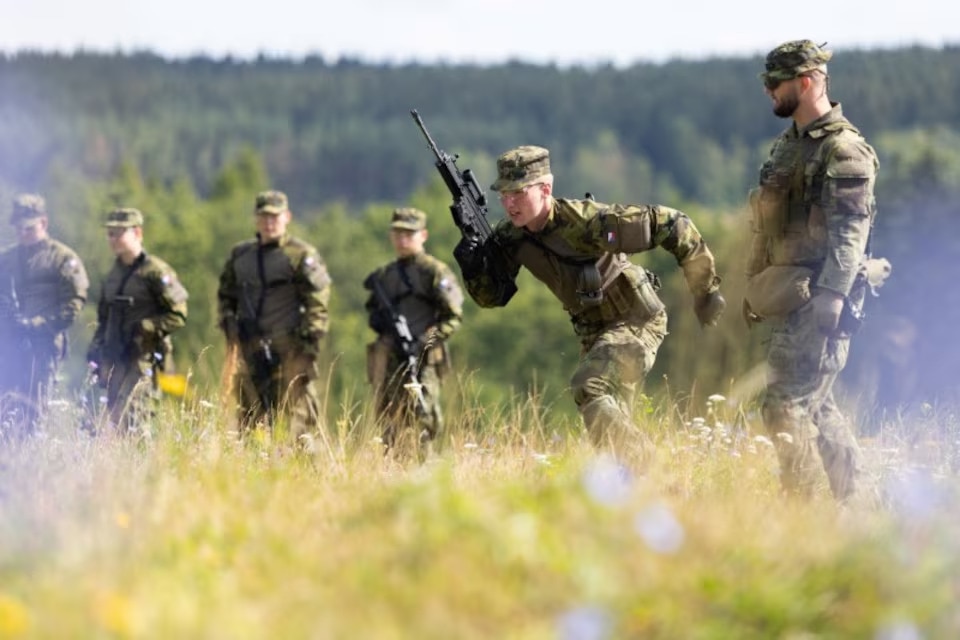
(271, 203)
(794, 58)
(408, 219)
(27, 207)
(520, 167)
(123, 218)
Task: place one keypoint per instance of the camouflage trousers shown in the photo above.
(132, 393)
(613, 363)
(809, 431)
(27, 379)
(280, 391)
(398, 409)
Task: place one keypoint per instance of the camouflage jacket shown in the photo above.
(581, 235)
(140, 305)
(423, 290)
(815, 204)
(48, 283)
(278, 291)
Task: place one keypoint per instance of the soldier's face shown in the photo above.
(407, 243)
(32, 233)
(272, 227)
(525, 207)
(785, 97)
(125, 242)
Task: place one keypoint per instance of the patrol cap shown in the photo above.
(520, 167)
(794, 58)
(124, 217)
(408, 219)
(271, 203)
(27, 209)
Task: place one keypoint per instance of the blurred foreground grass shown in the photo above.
(521, 531)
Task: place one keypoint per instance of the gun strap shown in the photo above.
(130, 271)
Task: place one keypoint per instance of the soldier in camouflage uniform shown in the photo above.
(141, 303)
(579, 248)
(424, 292)
(43, 286)
(273, 300)
(812, 215)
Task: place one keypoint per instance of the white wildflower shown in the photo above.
(785, 437)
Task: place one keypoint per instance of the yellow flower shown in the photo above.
(112, 612)
(14, 617)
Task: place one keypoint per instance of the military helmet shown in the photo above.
(794, 58)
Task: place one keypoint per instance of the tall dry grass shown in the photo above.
(517, 528)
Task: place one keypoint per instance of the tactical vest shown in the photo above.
(785, 207)
(267, 293)
(595, 291)
(131, 296)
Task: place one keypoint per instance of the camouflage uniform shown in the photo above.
(582, 256)
(43, 287)
(140, 305)
(425, 292)
(273, 301)
(814, 210)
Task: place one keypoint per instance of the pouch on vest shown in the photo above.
(779, 290)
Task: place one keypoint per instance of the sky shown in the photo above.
(563, 32)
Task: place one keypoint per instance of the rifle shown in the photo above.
(403, 338)
(264, 363)
(469, 208)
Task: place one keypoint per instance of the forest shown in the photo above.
(191, 141)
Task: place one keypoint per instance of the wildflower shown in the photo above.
(659, 528)
(785, 437)
(764, 440)
(607, 481)
(542, 458)
(584, 623)
(14, 617)
(470, 445)
(716, 399)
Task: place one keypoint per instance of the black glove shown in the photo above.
(469, 254)
(709, 307)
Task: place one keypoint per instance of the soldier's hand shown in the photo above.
(709, 307)
(827, 307)
(469, 255)
(748, 315)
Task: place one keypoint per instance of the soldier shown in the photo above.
(420, 293)
(579, 248)
(807, 269)
(273, 299)
(43, 288)
(141, 303)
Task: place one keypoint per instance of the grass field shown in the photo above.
(515, 529)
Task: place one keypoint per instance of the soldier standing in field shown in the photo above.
(808, 270)
(273, 308)
(579, 249)
(423, 294)
(43, 287)
(141, 303)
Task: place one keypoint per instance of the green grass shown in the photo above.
(517, 529)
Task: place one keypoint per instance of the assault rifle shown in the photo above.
(469, 206)
(263, 362)
(404, 340)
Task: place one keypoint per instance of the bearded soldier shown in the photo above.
(43, 287)
(808, 270)
(579, 249)
(273, 299)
